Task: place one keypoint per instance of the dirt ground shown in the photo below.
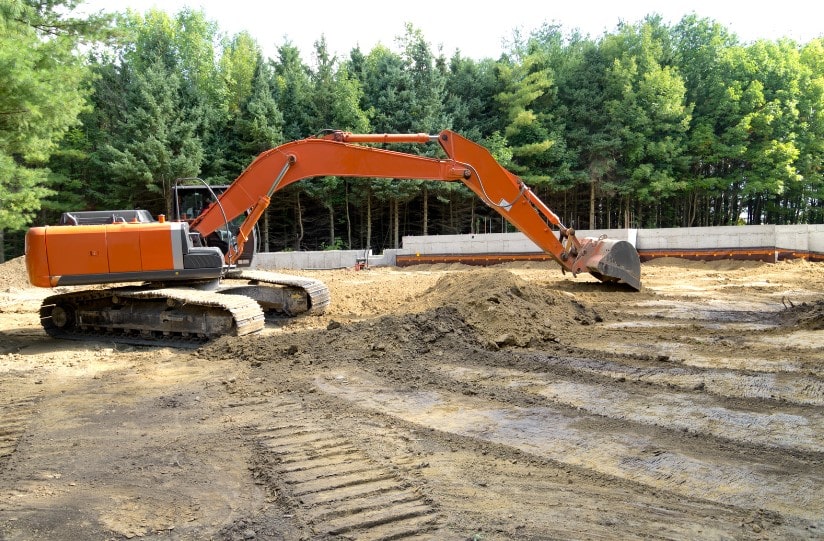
(436, 402)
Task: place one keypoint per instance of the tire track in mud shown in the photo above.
(15, 414)
(726, 472)
(780, 427)
(787, 387)
(333, 486)
(735, 332)
(13, 423)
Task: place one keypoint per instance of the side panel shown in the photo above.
(77, 250)
(161, 246)
(124, 248)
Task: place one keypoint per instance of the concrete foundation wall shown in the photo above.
(326, 259)
(790, 238)
(815, 238)
(704, 238)
(798, 240)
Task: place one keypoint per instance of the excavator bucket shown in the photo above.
(611, 261)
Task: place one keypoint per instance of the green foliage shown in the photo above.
(238, 67)
(255, 127)
(530, 101)
(648, 114)
(806, 198)
(21, 192)
(43, 89)
(335, 104)
(648, 125)
(153, 131)
(292, 92)
(469, 86)
(337, 244)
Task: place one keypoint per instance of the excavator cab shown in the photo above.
(190, 201)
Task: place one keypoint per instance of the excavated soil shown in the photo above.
(436, 402)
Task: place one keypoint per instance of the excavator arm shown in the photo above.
(344, 154)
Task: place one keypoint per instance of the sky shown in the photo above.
(477, 28)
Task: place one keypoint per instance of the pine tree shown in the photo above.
(43, 89)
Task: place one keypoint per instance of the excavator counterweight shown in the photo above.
(191, 287)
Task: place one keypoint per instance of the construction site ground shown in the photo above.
(435, 402)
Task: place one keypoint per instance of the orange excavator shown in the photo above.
(185, 291)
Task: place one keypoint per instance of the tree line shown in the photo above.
(650, 125)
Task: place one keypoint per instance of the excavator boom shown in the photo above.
(344, 154)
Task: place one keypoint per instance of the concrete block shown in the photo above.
(387, 259)
(326, 259)
(518, 243)
(815, 238)
(792, 237)
(655, 239)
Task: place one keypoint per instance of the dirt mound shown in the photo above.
(399, 338)
(807, 315)
(13, 274)
(485, 309)
(507, 310)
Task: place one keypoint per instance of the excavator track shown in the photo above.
(179, 317)
(280, 293)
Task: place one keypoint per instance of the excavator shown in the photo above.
(178, 282)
